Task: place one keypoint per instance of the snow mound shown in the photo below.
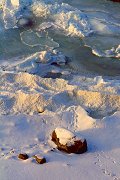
(23, 92)
(83, 121)
(99, 103)
(78, 118)
(21, 102)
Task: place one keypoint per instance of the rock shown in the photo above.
(53, 75)
(40, 109)
(25, 22)
(115, 0)
(60, 60)
(23, 156)
(66, 141)
(39, 159)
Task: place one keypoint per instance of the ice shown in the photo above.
(73, 21)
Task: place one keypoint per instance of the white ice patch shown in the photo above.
(32, 39)
(113, 52)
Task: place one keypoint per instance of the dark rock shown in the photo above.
(61, 63)
(23, 156)
(25, 22)
(55, 64)
(115, 0)
(39, 160)
(78, 147)
(53, 149)
(53, 75)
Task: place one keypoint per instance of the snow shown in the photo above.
(27, 135)
(65, 136)
(15, 3)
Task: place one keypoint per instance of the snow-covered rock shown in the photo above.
(68, 141)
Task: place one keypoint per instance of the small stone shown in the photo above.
(12, 151)
(7, 157)
(2, 154)
(53, 149)
(61, 60)
(39, 159)
(1, 149)
(40, 109)
(23, 156)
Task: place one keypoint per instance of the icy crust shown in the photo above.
(39, 63)
(114, 52)
(13, 10)
(65, 17)
(66, 137)
(34, 39)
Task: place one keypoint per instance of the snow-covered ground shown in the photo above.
(30, 134)
(49, 78)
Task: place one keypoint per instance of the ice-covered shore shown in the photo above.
(47, 81)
